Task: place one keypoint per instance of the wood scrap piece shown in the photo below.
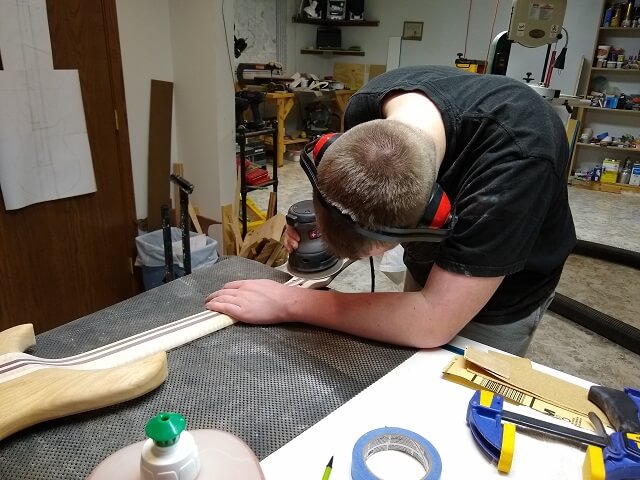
(159, 156)
(193, 215)
(17, 339)
(271, 208)
(231, 238)
(275, 256)
(352, 75)
(375, 70)
(272, 228)
(266, 246)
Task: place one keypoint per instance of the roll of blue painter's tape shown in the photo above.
(398, 439)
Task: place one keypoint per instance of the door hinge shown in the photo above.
(115, 112)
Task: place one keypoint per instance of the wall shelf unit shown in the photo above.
(619, 31)
(605, 187)
(616, 122)
(621, 150)
(337, 23)
(624, 71)
(322, 51)
(613, 110)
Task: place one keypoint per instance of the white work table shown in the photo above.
(416, 397)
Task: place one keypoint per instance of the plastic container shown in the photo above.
(634, 179)
(150, 257)
(603, 52)
(610, 168)
(611, 102)
(173, 453)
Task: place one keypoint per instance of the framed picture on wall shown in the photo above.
(412, 31)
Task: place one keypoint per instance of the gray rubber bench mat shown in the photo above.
(264, 384)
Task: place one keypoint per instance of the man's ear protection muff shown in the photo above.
(436, 222)
(321, 144)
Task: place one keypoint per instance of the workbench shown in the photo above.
(295, 394)
(285, 101)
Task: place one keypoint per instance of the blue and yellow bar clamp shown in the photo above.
(609, 457)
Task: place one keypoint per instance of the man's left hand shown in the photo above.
(252, 301)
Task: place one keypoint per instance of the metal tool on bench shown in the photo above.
(256, 73)
(609, 457)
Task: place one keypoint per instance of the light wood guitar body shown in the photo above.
(33, 389)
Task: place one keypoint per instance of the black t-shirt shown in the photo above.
(504, 170)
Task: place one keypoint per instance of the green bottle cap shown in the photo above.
(165, 428)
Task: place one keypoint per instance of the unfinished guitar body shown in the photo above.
(57, 392)
(33, 390)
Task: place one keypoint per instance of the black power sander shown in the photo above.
(311, 259)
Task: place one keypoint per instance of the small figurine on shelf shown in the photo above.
(311, 9)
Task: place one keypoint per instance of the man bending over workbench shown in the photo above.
(500, 153)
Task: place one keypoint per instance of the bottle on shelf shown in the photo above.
(628, 16)
(625, 173)
(608, 14)
(617, 14)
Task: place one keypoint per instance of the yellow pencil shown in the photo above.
(327, 470)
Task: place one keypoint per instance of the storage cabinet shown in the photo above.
(613, 114)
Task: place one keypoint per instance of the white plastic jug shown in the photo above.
(171, 452)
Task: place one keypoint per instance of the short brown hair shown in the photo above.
(379, 173)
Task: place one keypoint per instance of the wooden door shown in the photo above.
(62, 259)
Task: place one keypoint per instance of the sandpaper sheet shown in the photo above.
(515, 379)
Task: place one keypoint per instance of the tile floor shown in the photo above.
(612, 219)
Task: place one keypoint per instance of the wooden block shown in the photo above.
(375, 70)
(236, 203)
(271, 208)
(230, 235)
(272, 228)
(194, 219)
(160, 111)
(351, 74)
(277, 253)
(17, 339)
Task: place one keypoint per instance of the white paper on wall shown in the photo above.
(44, 147)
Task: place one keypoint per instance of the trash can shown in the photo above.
(150, 257)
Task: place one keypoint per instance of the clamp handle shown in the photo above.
(622, 408)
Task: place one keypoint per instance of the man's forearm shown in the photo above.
(398, 318)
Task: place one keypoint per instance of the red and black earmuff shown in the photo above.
(435, 225)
